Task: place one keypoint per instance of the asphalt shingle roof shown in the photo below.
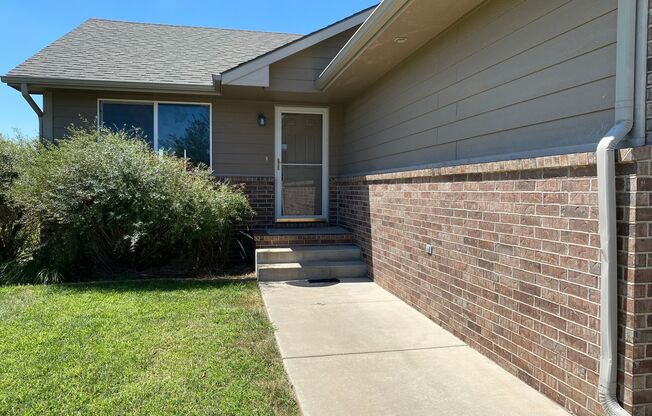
(107, 50)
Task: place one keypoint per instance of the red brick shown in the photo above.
(516, 268)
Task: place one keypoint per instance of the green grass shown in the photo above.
(139, 348)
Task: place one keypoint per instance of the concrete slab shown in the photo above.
(338, 326)
(302, 293)
(354, 349)
(438, 381)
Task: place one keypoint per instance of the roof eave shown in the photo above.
(386, 11)
(44, 82)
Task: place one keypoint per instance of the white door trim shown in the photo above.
(278, 184)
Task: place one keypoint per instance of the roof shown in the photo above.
(395, 30)
(125, 52)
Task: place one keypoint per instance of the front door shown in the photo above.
(301, 164)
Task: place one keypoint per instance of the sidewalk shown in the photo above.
(354, 349)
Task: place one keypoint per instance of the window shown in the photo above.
(129, 115)
(185, 128)
(179, 128)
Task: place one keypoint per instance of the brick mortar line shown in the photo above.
(471, 340)
(520, 313)
(517, 312)
(521, 258)
(523, 326)
(518, 346)
(535, 228)
(525, 247)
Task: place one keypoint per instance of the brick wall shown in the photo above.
(260, 191)
(515, 270)
(635, 274)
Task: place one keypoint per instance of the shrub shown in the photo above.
(12, 232)
(103, 201)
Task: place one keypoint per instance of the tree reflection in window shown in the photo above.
(185, 127)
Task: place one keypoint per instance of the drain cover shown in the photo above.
(318, 281)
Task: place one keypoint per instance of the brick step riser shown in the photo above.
(267, 241)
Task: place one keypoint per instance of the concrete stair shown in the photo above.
(309, 262)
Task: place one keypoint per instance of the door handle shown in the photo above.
(278, 163)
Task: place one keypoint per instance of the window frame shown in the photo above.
(155, 104)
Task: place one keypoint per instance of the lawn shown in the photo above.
(144, 348)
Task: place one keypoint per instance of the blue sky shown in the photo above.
(26, 27)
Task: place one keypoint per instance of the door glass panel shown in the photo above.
(302, 138)
(301, 160)
(127, 116)
(302, 190)
(185, 127)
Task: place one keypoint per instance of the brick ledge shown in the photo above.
(627, 155)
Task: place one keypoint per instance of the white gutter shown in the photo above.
(370, 29)
(36, 82)
(606, 172)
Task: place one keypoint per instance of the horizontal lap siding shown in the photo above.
(240, 146)
(298, 72)
(514, 76)
(69, 108)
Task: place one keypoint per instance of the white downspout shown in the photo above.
(39, 113)
(606, 171)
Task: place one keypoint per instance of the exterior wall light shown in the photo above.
(262, 120)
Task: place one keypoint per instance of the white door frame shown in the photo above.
(278, 182)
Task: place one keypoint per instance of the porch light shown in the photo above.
(262, 120)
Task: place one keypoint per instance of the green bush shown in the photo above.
(102, 201)
(12, 233)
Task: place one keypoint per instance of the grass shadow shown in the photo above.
(165, 284)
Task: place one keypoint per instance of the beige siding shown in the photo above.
(514, 76)
(240, 146)
(70, 108)
(298, 72)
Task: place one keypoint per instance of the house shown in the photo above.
(455, 140)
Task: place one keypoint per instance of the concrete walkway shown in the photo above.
(354, 349)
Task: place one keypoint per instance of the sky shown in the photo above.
(27, 27)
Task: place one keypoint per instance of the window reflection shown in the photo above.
(185, 127)
(126, 116)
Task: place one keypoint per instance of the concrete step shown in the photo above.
(307, 253)
(277, 272)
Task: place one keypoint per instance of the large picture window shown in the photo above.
(183, 129)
